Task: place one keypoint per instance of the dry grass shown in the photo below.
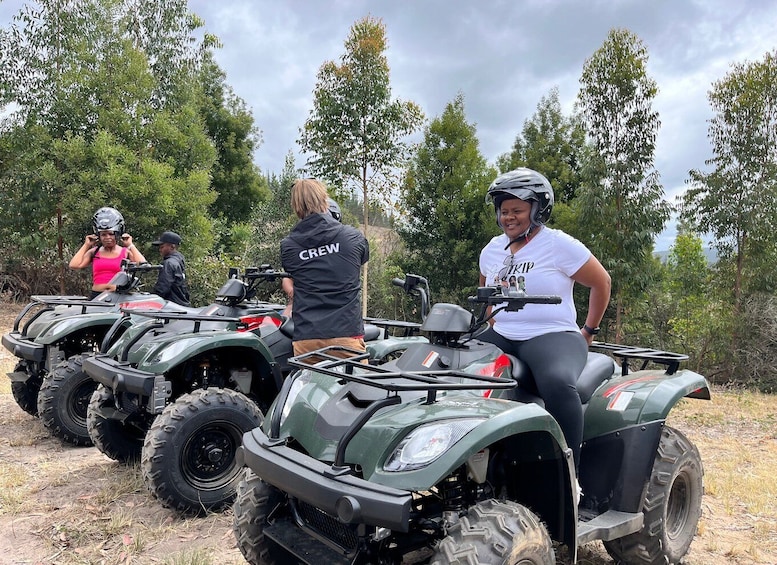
(66, 506)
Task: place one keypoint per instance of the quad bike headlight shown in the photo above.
(427, 443)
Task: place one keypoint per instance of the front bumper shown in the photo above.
(337, 492)
(120, 377)
(24, 348)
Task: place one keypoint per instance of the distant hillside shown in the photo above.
(709, 253)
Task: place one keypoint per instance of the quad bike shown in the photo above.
(159, 357)
(438, 457)
(180, 399)
(52, 333)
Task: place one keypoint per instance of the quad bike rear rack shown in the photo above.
(402, 328)
(625, 352)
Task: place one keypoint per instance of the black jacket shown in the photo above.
(324, 258)
(171, 282)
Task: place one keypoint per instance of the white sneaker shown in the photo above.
(578, 492)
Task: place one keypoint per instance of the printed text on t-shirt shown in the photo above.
(524, 267)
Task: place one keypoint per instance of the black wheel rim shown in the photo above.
(79, 404)
(678, 506)
(208, 456)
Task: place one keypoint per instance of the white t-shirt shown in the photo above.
(546, 264)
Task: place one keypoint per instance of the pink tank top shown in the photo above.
(103, 269)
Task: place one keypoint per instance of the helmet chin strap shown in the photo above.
(525, 236)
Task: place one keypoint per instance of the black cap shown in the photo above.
(168, 237)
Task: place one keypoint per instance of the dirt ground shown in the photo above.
(62, 505)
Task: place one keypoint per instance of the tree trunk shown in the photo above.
(60, 254)
(364, 268)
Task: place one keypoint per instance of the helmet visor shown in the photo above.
(499, 195)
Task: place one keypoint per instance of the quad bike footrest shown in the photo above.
(18, 377)
(609, 526)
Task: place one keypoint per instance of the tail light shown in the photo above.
(251, 323)
(495, 369)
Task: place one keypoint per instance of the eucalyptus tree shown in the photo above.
(446, 221)
(355, 133)
(555, 145)
(552, 144)
(621, 203)
(736, 201)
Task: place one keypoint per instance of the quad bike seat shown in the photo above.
(371, 332)
(124, 282)
(232, 291)
(598, 369)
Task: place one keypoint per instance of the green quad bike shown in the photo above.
(151, 359)
(51, 335)
(179, 391)
(438, 457)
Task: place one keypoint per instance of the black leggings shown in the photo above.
(556, 361)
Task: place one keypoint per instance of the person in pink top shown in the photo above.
(105, 249)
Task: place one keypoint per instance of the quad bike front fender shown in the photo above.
(499, 420)
(59, 329)
(638, 398)
(161, 356)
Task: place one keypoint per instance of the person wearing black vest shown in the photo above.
(324, 259)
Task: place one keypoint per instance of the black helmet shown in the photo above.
(108, 219)
(334, 209)
(526, 184)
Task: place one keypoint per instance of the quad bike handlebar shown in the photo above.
(146, 267)
(509, 299)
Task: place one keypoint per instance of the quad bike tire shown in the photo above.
(188, 459)
(253, 504)
(672, 506)
(495, 532)
(63, 400)
(26, 394)
(118, 440)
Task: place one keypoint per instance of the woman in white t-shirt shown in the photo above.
(545, 261)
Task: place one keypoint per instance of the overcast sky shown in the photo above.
(503, 56)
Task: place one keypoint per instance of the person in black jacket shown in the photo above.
(324, 258)
(171, 282)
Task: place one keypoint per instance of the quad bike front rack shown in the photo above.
(354, 369)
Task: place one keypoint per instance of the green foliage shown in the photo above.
(696, 315)
(273, 219)
(385, 299)
(106, 113)
(622, 197)
(757, 348)
(552, 144)
(447, 222)
(377, 213)
(205, 275)
(737, 200)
